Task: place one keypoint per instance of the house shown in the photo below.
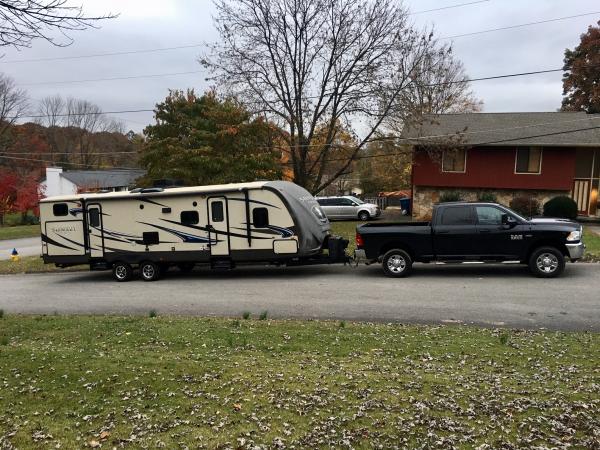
(540, 155)
(59, 182)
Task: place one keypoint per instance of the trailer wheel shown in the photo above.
(397, 263)
(122, 271)
(547, 262)
(149, 271)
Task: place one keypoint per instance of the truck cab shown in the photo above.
(485, 232)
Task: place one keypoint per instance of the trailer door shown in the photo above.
(218, 225)
(95, 234)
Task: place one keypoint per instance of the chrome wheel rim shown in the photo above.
(396, 263)
(547, 262)
(121, 272)
(148, 271)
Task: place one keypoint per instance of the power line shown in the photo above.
(182, 47)
(132, 77)
(70, 163)
(448, 7)
(99, 55)
(510, 27)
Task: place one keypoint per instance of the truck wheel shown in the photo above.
(149, 271)
(364, 216)
(397, 263)
(547, 262)
(122, 271)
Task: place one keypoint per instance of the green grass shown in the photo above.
(592, 243)
(19, 231)
(71, 382)
(32, 264)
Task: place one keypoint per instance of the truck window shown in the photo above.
(189, 217)
(260, 217)
(60, 209)
(488, 215)
(457, 215)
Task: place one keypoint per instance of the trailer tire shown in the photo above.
(547, 262)
(364, 216)
(396, 263)
(149, 271)
(122, 271)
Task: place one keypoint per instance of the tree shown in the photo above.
(28, 196)
(581, 80)
(205, 140)
(13, 103)
(8, 192)
(386, 166)
(312, 64)
(23, 21)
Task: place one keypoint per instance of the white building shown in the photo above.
(69, 182)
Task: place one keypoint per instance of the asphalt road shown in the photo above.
(499, 295)
(25, 247)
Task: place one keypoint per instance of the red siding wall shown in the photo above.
(494, 167)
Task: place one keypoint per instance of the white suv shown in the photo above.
(348, 207)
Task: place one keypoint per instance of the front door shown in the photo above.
(95, 234)
(495, 240)
(347, 208)
(218, 225)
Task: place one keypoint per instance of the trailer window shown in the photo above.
(60, 209)
(189, 217)
(260, 217)
(216, 211)
(94, 215)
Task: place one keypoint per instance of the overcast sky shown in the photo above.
(147, 24)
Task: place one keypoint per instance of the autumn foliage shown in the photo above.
(581, 81)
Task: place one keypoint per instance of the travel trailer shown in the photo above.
(221, 226)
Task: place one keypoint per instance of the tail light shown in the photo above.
(359, 241)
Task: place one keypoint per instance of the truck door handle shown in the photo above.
(485, 230)
(442, 232)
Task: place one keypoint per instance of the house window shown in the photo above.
(189, 217)
(528, 160)
(454, 160)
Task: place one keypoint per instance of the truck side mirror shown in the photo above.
(504, 219)
(508, 220)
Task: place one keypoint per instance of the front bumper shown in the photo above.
(575, 250)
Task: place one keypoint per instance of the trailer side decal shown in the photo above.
(50, 241)
(254, 201)
(224, 233)
(185, 237)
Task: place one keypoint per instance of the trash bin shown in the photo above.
(405, 206)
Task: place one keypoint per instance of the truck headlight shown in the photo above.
(574, 236)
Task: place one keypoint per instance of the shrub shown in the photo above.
(488, 197)
(450, 196)
(561, 206)
(152, 313)
(246, 315)
(526, 206)
(1, 313)
(263, 315)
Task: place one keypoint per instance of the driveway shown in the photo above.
(25, 247)
(501, 295)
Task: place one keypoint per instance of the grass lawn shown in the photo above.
(32, 264)
(592, 242)
(19, 231)
(72, 382)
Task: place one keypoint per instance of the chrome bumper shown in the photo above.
(575, 250)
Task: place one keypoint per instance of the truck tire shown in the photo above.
(547, 262)
(364, 216)
(397, 263)
(122, 271)
(149, 271)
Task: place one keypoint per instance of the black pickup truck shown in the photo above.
(462, 231)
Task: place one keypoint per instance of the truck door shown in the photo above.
(95, 232)
(218, 225)
(494, 240)
(453, 232)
